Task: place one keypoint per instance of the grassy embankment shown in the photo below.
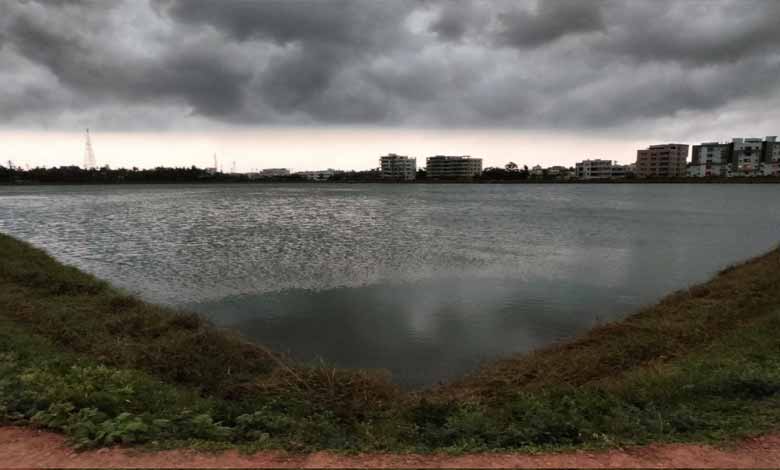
(85, 359)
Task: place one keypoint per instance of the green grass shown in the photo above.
(82, 358)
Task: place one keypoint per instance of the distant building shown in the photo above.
(597, 169)
(320, 175)
(666, 161)
(709, 159)
(274, 172)
(745, 157)
(622, 171)
(740, 157)
(398, 167)
(699, 171)
(444, 166)
(560, 172)
(537, 171)
(270, 173)
(770, 157)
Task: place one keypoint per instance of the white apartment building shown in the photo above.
(770, 169)
(770, 162)
(698, 171)
(597, 169)
(740, 157)
(560, 172)
(709, 159)
(398, 167)
(771, 149)
(273, 172)
(447, 166)
(622, 171)
(746, 157)
(320, 175)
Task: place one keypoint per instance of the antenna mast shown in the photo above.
(89, 154)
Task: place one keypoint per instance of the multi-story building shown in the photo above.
(445, 166)
(745, 157)
(599, 169)
(320, 175)
(770, 157)
(398, 167)
(622, 171)
(698, 171)
(560, 172)
(710, 159)
(666, 160)
(740, 157)
(771, 149)
(273, 172)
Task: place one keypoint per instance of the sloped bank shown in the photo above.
(80, 357)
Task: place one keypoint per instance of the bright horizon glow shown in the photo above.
(308, 148)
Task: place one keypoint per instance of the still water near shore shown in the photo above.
(423, 280)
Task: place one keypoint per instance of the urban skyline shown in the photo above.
(766, 155)
(336, 147)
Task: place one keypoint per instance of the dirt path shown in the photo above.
(27, 448)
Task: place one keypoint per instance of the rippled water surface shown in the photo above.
(424, 280)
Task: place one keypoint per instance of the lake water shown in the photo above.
(423, 280)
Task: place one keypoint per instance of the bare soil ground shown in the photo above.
(29, 448)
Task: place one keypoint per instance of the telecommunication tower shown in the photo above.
(89, 154)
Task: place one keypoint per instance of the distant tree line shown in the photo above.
(105, 175)
(76, 175)
(365, 176)
(510, 172)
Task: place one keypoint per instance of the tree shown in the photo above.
(511, 166)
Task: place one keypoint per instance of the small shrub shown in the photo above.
(749, 388)
(263, 423)
(123, 303)
(186, 321)
(202, 426)
(699, 291)
(472, 427)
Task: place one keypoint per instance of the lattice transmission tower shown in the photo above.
(89, 155)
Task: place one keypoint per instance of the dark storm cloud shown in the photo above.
(456, 19)
(199, 77)
(67, 55)
(578, 64)
(695, 32)
(319, 41)
(70, 3)
(551, 20)
(292, 80)
(284, 21)
(452, 24)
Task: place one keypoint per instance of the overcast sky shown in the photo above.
(316, 84)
